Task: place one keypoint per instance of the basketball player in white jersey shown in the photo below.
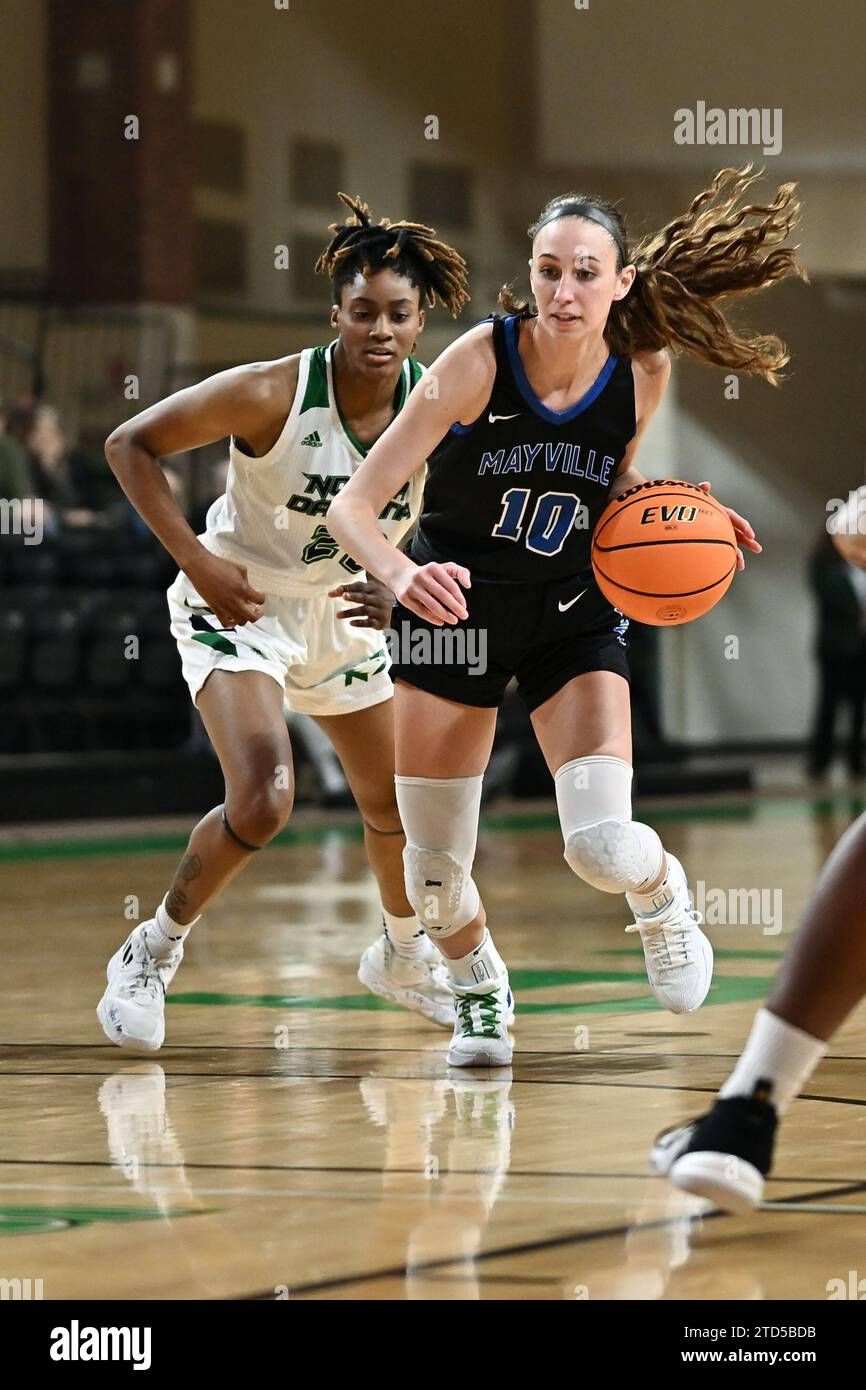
(253, 610)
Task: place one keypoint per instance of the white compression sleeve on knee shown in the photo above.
(440, 818)
(593, 789)
(603, 845)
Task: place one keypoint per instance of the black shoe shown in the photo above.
(724, 1155)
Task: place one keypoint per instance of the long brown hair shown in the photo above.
(715, 249)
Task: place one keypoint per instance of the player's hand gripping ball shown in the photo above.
(665, 552)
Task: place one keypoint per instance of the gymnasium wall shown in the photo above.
(396, 65)
(777, 456)
(530, 109)
(774, 455)
(527, 105)
(23, 167)
(612, 110)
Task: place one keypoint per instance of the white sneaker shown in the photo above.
(679, 958)
(132, 1009)
(421, 983)
(481, 1036)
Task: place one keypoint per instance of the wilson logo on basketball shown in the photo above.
(664, 553)
(659, 483)
(648, 516)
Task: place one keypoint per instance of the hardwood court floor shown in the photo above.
(298, 1138)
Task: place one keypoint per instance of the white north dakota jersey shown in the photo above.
(272, 517)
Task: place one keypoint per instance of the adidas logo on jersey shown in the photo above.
(313, 440)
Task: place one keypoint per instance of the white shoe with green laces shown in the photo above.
(481, 1037)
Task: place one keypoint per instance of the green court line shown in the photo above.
(286, 1001)
(730, 989)
(29, 1221)
(23, 850)
(150, 844)
(520, 980)
(549, 978)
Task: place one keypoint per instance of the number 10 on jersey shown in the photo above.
(550, 523)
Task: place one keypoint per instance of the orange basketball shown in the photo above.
(664, 552)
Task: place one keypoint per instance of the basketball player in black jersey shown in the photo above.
(531, 425)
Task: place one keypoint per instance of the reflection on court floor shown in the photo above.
(298, 1138)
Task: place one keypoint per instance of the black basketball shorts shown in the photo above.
(544, 634)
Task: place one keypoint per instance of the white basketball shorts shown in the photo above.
(325, 666)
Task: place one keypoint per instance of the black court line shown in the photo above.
(471, 1277)
(487, 1278)
(315, 1047)
(382, 1076)
(549, 1243)
(375, 1169)
(845, 1191)
(484, 1278)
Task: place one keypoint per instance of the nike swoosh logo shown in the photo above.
(493, 418)
(564, 606)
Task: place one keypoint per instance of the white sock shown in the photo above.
(406, 935)
(656, 903)
(482, 970)
(163, 933)
(776, 1052)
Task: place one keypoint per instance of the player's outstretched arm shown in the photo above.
(244, 401)
(456, 388)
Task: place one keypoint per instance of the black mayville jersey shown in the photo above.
(516, 495)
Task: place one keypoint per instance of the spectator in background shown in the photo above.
(840, 649)
(63, 476)
(15, 475)
(176, 481)
(214, 487)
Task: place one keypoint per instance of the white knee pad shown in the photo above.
(440, 818)
(603, 845)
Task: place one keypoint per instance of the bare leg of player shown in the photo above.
(727, 1154)
(364, 743)
(243, 714)
(401, 964)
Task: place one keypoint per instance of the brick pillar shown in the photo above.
(121, 211)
